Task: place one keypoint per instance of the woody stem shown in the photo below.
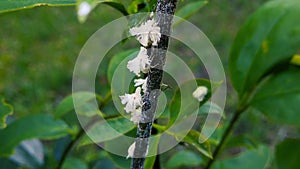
(165, 11)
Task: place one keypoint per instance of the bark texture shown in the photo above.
(165, 10)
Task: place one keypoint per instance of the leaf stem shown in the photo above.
(81, 132)
(227, 132)
(69, 148)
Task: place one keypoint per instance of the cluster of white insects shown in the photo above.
(147, 34)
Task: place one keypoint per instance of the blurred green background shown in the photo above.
(38, 47)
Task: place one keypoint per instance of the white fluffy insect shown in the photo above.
(136, 116)
(148, 32)
(131, 150)
(140, 64)
(132, 101)
(141, 82)
(84, 9)
(200, 93)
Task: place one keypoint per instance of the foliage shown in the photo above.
(264, 70)
(191, 159)
(286, 158)
(33, 126)
(5, 110)
(261, 155)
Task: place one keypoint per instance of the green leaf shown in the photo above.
(287, 154)
(120, 77)
(107, 130)
(12, 5)
(248, 159)
(242, 140)
(190, 9)
(210, 107)
(119, 161)
(279, 97)
(8, 164)
(41, 126)
(152, 152)
(193, 138)
(74, 163)
(84, 7)
(134, 6)
(268, 39)
(117, 61)
(117, 5)
(217, 135)
(104, 163)
(5, 110)
(184, 97)
(84, 108)
(296, 60)
(141, 6)
(119, 146)
(184, 159)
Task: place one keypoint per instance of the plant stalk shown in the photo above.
(80, 133)
(165, 10)
(69, 148)
(227, 132)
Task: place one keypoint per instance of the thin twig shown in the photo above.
(227, 132)
(81, 132)
(69, 148)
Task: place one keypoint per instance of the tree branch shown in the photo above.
(165, 10)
